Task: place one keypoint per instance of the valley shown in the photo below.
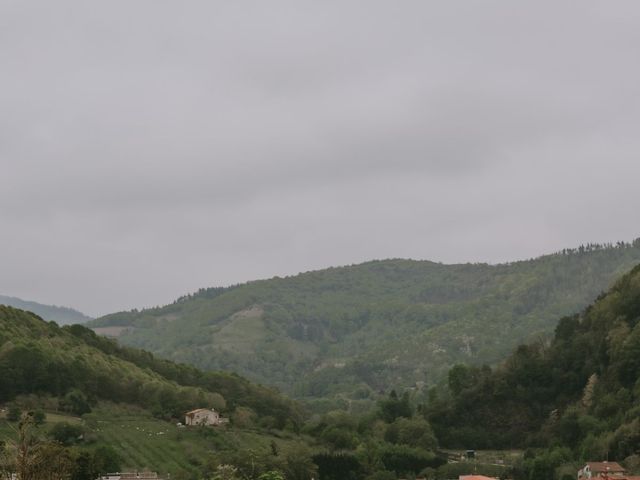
(340, 336)
(568, 396)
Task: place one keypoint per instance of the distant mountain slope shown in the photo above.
(60, 315)
(359, 329)
(38, 357)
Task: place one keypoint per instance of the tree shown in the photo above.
(13, 413)
(66, 433)
(75, 402)
(382, 475)
(39, 417)
(587, 395)
(337, 466)
(271, 475)
(299, 464)
(415, 432)
(35, 459)
(243, 417)
(106, 459)
(461, 377)
(7, 463)
(84, 468)
(339, 438)
(403, 459)
(395, 407)
(225, 472)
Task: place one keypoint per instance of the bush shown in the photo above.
(66, 433)
(382, 475)
(106, 459)
(39, 417)
(403, 459)
(13, 413)
(75, 402)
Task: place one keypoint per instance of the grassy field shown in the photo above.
(144, 442)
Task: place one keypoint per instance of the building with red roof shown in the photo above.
(601, 469)
(475, 477)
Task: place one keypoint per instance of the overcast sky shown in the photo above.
(150, 148)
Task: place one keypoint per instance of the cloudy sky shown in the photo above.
(150, 148)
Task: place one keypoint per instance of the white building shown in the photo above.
(204, 416)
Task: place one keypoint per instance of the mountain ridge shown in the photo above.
(42, 358)
(363, 328)
(58, 314)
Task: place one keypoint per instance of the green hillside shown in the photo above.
(60, 315)
(80, 368)
(577, 396)
(138, 441)
(353, 331)
(81, 405)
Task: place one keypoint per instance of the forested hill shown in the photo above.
(60, 315)
(79, 367)
(360, 329)
(581, 392)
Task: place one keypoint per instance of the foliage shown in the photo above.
(337, 466)
(356, 330)
(66, 433)
(227, 472)
(124, 437)
(299, 464)
(39, 417)
(33, 459)
(79, 367)
(580, 393)
(394, 407)
(13, 413)
(414, 432)
(271, 475)
(403, 459)
(75, 402)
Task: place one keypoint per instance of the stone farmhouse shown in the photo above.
(604, 470)
(204, 416)
(475, 477)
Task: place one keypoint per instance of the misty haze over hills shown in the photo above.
(60, 315)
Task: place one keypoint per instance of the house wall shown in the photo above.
(203, 418)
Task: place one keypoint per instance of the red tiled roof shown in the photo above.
(605, 467)
(475, 477)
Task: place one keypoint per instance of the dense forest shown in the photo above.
(349, 333)
(74, 405)
(94, 385)
(576, 397)
(565, 400)
(79, 367)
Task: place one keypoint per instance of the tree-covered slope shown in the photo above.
(60, 315)
(76, 365)
(581, 391)
(359, 329)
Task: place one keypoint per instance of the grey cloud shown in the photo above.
(152, 148)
